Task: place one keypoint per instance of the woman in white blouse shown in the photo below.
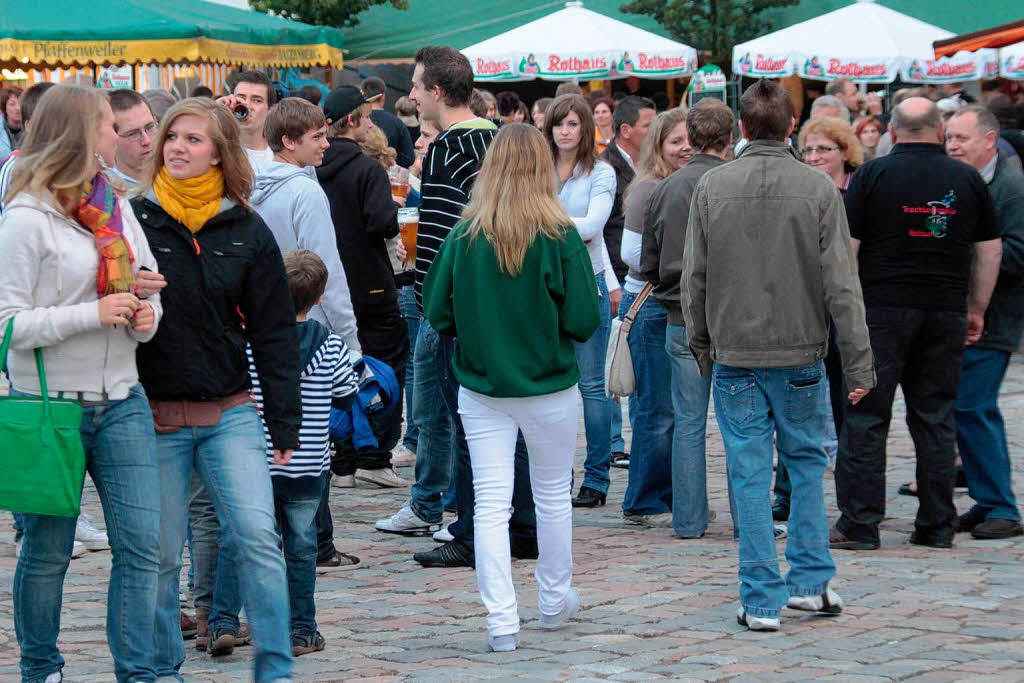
(587, 191)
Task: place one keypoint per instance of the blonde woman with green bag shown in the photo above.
(72, 250)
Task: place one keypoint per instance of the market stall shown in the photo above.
(1008, 38)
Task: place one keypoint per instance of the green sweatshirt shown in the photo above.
(514, 333)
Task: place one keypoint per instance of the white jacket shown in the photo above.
(48, 283)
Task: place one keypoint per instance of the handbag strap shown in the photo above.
(627, 320)
(40, 367)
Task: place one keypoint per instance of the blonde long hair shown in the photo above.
(513, 198)
(59, 153)
(652, 165)
(226, 135)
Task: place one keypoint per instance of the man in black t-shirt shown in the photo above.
(925, 230)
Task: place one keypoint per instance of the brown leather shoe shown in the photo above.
(225, 640)
(188, 626)
(202, 630)
(838, 541)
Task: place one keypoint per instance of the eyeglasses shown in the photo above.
(135, 135)
(823, 149)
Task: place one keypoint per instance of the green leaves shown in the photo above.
(337, 13)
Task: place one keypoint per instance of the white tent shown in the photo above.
(865, 42)
(1011, 61)
(576, 43)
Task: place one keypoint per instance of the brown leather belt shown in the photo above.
(170, 416)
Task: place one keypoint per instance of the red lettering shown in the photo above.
(950, 70)
(490, 67)
(838, 68)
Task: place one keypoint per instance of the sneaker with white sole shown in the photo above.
(78, 549)
(343, 481)
(89, 536)
(382, 478)
(442, 535)
(406, 522)
(780, 531)
(569, 609)
(827, 604)
(757, 623)
(17, 548)
(402, 457)
(55, 677)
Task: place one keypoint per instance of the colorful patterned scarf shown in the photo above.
(100, 212)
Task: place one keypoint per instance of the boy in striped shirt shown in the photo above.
(327, 381)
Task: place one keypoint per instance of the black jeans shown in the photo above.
(522, 527)
(921, 352)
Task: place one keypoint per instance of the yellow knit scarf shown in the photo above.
(191, 201)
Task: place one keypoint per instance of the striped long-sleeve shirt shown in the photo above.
(449, 170)
(327, 375)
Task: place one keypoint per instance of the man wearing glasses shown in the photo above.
(136, 129)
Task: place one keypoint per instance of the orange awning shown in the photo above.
(997, 36)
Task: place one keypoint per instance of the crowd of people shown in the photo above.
(225, 286)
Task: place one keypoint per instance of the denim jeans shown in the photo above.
(121, 459)
(295, 504)
(752, 405)
(324, 522)
(597, 407)
(523, 521)
(920, 351)
(203, 544)
(435, 446)
(413, 318)
(690, 396)
(981, 434)
(649, 490)
(618, 443)
(231, 460)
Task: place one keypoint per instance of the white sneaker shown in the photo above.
(827, 604)
(345, 481)
(780, 531)
(91, 537)
(442, 535)
(17, 548)
(569, 609)
(78, 549)
(402, 457)
(406, 522)
(55, 677)
(385, 478)
(757, 623)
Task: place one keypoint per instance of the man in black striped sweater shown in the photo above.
(442, 86)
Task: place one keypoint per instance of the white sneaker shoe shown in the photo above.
(757, 623)
(385, 478)
(346, 481)
(827, 604)
(402, 457)
(89, 536)
(442, 535)
(406, 522)
(78, 549)
(569, 609)
(17, 549)
(55, 677)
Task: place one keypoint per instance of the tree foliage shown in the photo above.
(338, 13)
(711, 26)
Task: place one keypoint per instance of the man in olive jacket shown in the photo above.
(767, 259)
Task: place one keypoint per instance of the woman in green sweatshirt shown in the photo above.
(513, 281)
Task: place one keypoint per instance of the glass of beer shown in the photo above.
(399, 178)
(408, 225)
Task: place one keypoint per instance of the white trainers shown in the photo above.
(406, 522)
(17, 548)
(442, 535)
(344, 481)
(384, 478)
(55, 677)
(569, 609)
(89, 536)
(827, 604)
(757, 623)
(402, 457)
(78, 549)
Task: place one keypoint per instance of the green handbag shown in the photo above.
(41, 456)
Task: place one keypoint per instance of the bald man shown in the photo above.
(925, 231)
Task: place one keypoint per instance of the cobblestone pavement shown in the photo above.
(654, 606)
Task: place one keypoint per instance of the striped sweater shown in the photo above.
(327, 375)
(449, 170)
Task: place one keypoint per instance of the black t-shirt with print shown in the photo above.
(917, 212)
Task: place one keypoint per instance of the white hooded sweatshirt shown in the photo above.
(290, 201)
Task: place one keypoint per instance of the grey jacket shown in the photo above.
(767, 259)
(664, 235)
(1004, 319)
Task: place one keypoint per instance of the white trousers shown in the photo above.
(549, 424)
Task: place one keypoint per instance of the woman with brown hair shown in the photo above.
(11, 129)
(72, 253)
(587, 192)
(531, 298)
(226, 287)
(869, 131)
(829, 144)
(604, 130)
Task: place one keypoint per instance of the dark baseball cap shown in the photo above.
(344, 100)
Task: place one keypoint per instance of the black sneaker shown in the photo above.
(620, 460)
(304, 643)
(524, 550)
(997, 528)
(451, 554)
(967, 521)
(780, 511)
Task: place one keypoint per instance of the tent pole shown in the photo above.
(671, 88)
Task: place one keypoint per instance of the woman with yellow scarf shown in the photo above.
(226, 287)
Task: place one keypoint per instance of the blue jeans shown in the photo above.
(981, 434)
(413, 318)
(434, 454)
(649, 490)
(597, 407)
(231, 460)
(690, 396)
(752, 404)
(121, 459)
(295, 503)
(618, 443)
(203, 544)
